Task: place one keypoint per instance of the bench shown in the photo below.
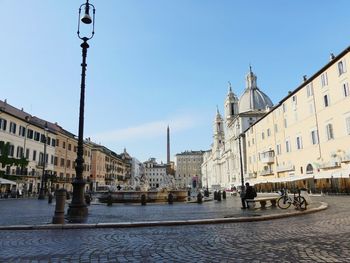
(263, 201)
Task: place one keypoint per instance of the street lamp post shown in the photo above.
(78, 212)
(240, 160)
(27, 118)
(42, 191)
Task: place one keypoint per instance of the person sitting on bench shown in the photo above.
(250, 193)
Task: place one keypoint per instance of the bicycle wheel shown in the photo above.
(301, 202)
(283, 202)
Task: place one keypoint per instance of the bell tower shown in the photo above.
(219, 134)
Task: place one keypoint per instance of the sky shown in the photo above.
(154, 63)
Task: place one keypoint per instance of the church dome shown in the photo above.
(253, 99)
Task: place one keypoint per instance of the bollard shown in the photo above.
(215, 195)
(170, 198)
(219, 196)
(109, 200)
(199, 198)
(224, 194)
(143, 199)
(60, 195)
(49, 199)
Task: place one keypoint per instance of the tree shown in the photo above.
(5, 160)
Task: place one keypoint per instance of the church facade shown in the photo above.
(223, 163)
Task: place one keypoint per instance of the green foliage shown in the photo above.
(5, 160)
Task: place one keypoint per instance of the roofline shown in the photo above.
(305, 83)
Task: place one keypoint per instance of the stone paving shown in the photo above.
(33, 211)
(318, 237)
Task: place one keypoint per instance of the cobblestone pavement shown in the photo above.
(318, 237)
(34, 212)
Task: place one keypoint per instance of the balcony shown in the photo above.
(266, 172)
(250, 175)
(345, 159)
(330, 165)
(285, 168)
(267, 157)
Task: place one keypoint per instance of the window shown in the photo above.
(309, 169)
(326, 100)
(268, 132)
(341, 67)
(309, 90)
(11, 150)
(13, 127)
(34, 155)
(22, 131)
(36, 136)
(314, 137)
(276, 128)
(278, 149)
(324, 79)
(285, 123)
(3, 124)
(347, 121)
(30, 134)
(68, 163)
(346, 89)
(299, 143)
(69, 147)
(55, 160)
(284, 107)
(48, 140)
(62, 162)
(42, 138)
(294, 101)
(41, 158)
(57, 142)
(19, 152)
(288, 149)
(64, 145)
(262, 135)
(329, 130)
(27, 153)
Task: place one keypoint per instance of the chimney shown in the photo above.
(331, 57)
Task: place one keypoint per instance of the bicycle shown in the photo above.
(285, 201)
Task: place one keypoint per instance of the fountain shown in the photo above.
(139, 190)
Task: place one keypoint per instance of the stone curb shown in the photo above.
(323, 206)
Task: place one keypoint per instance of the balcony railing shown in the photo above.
(266, 172)
(285, 168)
(267, 157)
(330, 165)
(345, 159)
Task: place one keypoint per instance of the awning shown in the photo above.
(5, 181)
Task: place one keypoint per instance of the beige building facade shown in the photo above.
(304, 141)
(301, 142)
(188, 169)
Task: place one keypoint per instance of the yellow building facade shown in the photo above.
(304, 140)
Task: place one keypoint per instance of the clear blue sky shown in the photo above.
(155, 62)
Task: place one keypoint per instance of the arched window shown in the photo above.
(309, 169)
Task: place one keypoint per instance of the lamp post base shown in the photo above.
(78, 211)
